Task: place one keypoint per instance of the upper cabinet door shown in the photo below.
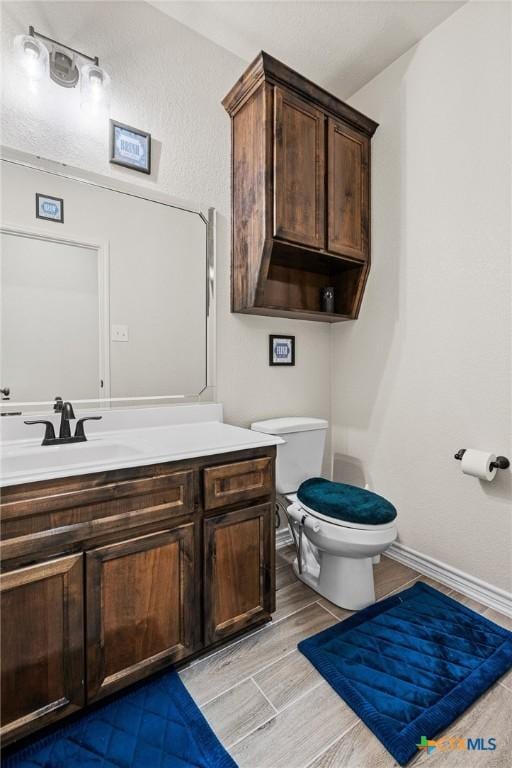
(42, 645)
(299, 171)
(142, 607)
(348, 191)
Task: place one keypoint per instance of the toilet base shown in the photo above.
(345, 581)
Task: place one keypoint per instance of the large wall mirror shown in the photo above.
(114, 303)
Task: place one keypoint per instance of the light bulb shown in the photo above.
(94, 89)
(32, 55)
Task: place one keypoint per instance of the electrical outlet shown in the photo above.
(119, 333)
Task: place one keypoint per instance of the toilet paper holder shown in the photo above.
(501, 461)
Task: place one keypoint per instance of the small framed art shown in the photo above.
(130, 147)
(49, 208)
(281, 350)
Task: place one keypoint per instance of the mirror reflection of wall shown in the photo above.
(112, 301)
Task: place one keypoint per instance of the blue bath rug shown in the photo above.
(411, 664)
(155, 724)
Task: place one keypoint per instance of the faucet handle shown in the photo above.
(49, 432)
(79, 431)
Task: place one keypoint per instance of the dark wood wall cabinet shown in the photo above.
(107, 578)
(300, 196)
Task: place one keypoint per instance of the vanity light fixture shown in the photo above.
(32, 55)
(94, 88)
(39, 54)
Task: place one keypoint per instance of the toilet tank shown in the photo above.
(301, 455)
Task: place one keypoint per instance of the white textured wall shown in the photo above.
(170, 81)
(426, 369)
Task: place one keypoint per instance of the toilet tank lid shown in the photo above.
(288, 425)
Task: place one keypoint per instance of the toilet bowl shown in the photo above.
(336, 556)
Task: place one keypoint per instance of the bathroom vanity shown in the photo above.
(111, 575)
(154, 539)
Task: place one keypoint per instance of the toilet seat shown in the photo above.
(336, 521)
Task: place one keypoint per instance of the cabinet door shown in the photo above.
(141, 607)
(238, 570)
(348, 182)
(299, 171)
(42, 644)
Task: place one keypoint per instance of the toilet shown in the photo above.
(335, 556)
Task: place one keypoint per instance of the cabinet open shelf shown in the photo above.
(296, 277)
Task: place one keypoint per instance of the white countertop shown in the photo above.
(27, 461)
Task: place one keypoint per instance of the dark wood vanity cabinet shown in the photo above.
(142, 611)
(299, 170)
(42, 610)
(109, 577)
(229, 484)
(348, 192)
(300, 195)
(238, 572)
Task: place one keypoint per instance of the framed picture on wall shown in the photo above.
(130, 147)
(281, 350)
(49, 208)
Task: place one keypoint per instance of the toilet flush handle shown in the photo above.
(296, 512)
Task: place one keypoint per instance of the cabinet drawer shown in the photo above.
(233, 483)
(52, 519)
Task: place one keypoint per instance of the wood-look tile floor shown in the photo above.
(272, 709)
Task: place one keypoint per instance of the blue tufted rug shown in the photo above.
(411, 664)
(157, 724)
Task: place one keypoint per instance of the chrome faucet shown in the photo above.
(66, 413)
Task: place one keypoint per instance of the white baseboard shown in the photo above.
(479, 590)
(283, 538)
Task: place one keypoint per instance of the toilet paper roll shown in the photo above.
(478, 464)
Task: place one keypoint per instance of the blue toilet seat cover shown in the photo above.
(345, 502)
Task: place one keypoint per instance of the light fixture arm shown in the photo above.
(32, 32)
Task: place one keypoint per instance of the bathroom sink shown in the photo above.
(25, 460)
(37, 458)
